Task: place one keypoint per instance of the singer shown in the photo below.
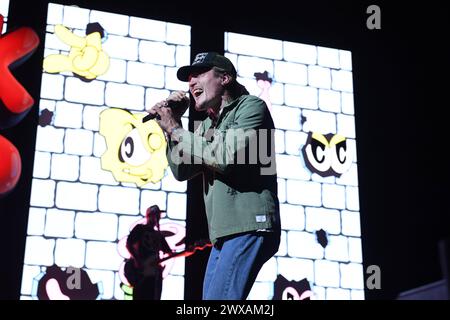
(240, 193)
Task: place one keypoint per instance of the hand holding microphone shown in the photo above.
(177, 101)
(168, 112)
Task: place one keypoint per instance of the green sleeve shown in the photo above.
(235, 144)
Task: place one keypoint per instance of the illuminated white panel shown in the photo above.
(178, 34)
(261, 291)
(65, 167)
(351, 225)
(308, 89)
(122, 48)
(318, 121)
(4, 8)
(303, 192)
(28, 274)
(39, 251)
(345, 60)
(328, 57)
(321, 218)
(281, 190)
(102, 255)
(68, 115)
(250, 45)
(59, 223)
(329, 101)
(294, 141)
(333, 196)
(156, 197)
(268, 271)
(55, 87)
(309, 247)
(91, 172)
(41, 165)
(176, 285)
(138, 73)
(355, 249)
(36, 221)
(337, 248)
(348, 280)
(87, 192)
(177, 206)
(291, 167)
(347, 103)
(119, 200)
(124, 96)
(82, 92)
(96, 226)
(294, 73)
(298, 52)
(106, 278)
(91, 116)
(169, 183)
(327, 273)
(139, 28)
(296, 269)
(80, 215)
(286, 117)
(292, 217)
(342, 80)
(338, 294)
(70, 252)
(319, 77)
(42, 193)
(116, 71)
(114, 23)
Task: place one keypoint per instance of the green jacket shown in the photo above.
(237, 161)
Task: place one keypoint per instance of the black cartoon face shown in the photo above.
(291, 290)
(71, 284)
(327, 155)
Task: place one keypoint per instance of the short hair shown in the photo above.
(235, 88)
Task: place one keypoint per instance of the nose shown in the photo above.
(192, 81)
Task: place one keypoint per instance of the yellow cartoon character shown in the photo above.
(136, 151)
(86, 58)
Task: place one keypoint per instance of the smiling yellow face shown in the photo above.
(135, 151)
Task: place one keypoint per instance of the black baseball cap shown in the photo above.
(206, 60)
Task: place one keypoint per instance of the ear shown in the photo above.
(226, 79)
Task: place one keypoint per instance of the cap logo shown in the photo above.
(199, 58)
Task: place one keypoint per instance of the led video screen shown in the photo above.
(309, 91)
(97, 166)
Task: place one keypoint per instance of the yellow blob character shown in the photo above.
(86, 57)
(136, 151)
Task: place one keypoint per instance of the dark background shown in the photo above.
(400, 77)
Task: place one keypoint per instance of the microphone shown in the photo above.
(170, 104)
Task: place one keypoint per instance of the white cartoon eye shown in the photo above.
(341, 157)
(290, 293)
(132, 150)
(318, 155)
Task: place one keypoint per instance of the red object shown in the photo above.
(10, 165)
(15, 47)
(15, 101)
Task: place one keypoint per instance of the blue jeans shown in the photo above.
(235, 262)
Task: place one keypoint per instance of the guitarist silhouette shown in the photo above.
(145, 242)
(143, 270)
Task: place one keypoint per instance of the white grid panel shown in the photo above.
(79, 213)
(310, 90)
(4, 7)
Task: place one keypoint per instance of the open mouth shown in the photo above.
(143, 174)
(197, 92)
